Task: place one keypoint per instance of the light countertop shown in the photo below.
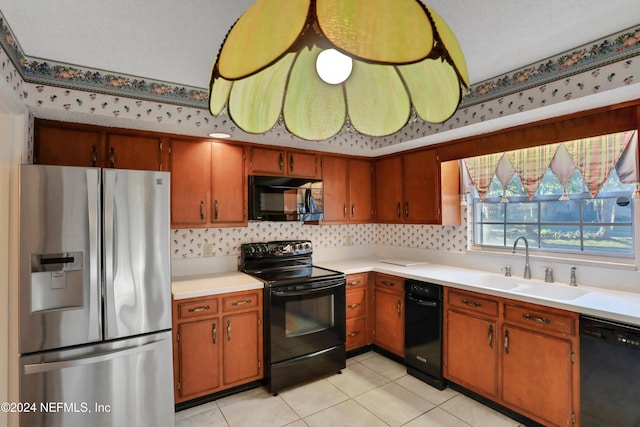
(220, 283)
(614, 305)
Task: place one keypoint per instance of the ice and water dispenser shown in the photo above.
(56, 281)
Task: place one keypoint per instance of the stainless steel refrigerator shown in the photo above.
(94, 297)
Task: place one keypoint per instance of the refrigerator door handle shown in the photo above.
(109, 236)
(37, 368)
(95, 254)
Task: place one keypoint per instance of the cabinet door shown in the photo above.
(242, 347)
(199, 357)
(360, 190)
(190, 181)
(537, 375)
(134, 152)
(68, 147)
(228, 184)
(266, 161)
(389, 189)
(471, 352)
(389, 320)
(302, 164)
(421, 187)
(334, 183)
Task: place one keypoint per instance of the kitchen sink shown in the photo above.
(496, 281)
(557, 292)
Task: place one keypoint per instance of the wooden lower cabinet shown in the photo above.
(217, 343)
(388, 313)
(358, 310)
(521, 355)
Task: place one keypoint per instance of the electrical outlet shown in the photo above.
(347, 240)
(208, 249)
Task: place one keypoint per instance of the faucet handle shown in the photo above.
(507, 270)
(548, 274)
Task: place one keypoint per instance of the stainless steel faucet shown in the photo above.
(572, 281)
(527, 270)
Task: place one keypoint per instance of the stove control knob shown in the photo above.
(249, 250)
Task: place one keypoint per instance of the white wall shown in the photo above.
(13, 134)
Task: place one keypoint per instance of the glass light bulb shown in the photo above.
(333, 67)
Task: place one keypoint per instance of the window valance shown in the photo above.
(593, 157)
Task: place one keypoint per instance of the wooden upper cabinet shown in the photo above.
(360, 190)
(348, 189)
(334, 187)
(273, 161)
(134, 152)
(190, 182)
(389, 189)
(55, 145)
(302, 164)
(69, 144)
(228, 185)
(413, 188)
(421, 187)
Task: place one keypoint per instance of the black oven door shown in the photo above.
(306, 318)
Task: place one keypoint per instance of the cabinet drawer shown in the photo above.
(391, 283)
(356, 303)
(199, 308)
(356, 333)
(235, 302)
(356, 281)
(549, 321)
(473, 302)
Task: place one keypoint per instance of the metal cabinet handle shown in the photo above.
(356, 305)
(228, 330)
(354, 333)
(281, 162)
(112, 151)
(344, 210)
(291, 162)
(398, 209)
(198, 309)
(353, 210)
(355, 282)
(490, 337)
(215, 209)
(399, 307)
(214, 333)
(506, 341)
(202, 210)
(236, 303)
(406, 209)
(471, 303)
(386, 283)
(251, 159)
(94, 155)
(537, 319)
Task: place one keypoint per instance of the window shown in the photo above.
(555, 221)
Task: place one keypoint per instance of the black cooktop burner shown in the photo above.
(283, 263)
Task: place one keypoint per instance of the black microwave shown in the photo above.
(276, 198)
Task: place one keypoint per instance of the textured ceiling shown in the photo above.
(177, 41)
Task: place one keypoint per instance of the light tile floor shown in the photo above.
(372, 391)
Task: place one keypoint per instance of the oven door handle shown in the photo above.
(305, 291)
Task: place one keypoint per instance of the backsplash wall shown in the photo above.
(190, 243)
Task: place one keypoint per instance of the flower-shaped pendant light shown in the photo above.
(400, 55)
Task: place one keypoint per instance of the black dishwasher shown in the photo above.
(423, 332)
(609, 373)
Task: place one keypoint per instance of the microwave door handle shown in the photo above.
(305, 292)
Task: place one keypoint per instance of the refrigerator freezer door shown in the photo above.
(59, 291)
(120, 383)
(137, 271)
